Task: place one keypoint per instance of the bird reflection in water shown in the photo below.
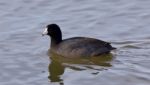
(59, 63)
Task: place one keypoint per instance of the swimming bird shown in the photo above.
(75, 46)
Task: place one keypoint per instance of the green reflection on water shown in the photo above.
(59, 63)
(55, 69)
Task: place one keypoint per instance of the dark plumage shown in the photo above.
(76, 46)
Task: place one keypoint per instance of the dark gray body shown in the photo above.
(81, 47)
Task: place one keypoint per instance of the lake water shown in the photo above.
(24, 57)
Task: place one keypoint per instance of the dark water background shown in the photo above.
(23, 52)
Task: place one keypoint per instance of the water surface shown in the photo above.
(23, 55)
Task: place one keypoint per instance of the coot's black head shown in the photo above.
(53, 30)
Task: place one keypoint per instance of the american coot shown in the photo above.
(76, 46)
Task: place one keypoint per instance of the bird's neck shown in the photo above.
(55, 41)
